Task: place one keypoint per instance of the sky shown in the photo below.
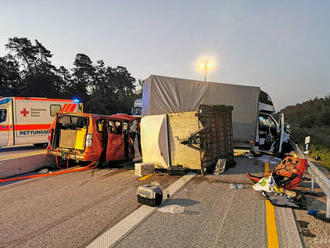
(281, 46)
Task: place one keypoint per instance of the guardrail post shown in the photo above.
(312, 185)
(317, 177)
(328, 208)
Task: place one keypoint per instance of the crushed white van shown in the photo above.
(26, 120)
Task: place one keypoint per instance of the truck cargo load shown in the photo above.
(164, 95)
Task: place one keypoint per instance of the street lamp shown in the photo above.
(205, 66)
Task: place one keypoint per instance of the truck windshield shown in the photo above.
(3, 115)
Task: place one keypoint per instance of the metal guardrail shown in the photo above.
(317, 176)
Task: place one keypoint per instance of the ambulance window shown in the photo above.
(54, 109)
(3, 115)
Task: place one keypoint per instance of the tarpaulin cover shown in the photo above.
(163, 95)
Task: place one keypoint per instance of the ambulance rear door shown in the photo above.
(6, 121)
(34, 117)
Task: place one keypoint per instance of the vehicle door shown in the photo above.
(116, 143)
(268, 133)
(283, 134)
(127, 139)
(103, 130)
(5, 128)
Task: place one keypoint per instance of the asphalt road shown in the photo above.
(15, 150)
(214, 215)
(68, 210)
(22, 159)
(72, 210)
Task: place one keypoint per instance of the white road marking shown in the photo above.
(118, 231)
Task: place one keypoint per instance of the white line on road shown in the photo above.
(118, 231)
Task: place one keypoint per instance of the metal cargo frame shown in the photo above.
(217, 137)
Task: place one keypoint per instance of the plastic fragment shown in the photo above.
(313, 211)
(172, 209)
(236, 186)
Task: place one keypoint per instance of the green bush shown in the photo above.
(322, 152)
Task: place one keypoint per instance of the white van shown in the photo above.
(26, 120)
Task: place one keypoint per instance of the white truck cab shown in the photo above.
(270, 132)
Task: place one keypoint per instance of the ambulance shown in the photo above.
(26, 120)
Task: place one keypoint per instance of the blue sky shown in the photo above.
(281, 46)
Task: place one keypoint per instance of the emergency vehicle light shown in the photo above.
(76, 100)
(4, 100)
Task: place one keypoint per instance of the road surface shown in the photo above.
(21, 159)
(74, 210)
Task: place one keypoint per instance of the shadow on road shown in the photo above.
(184, 202)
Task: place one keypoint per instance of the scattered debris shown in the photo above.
(142, 169)
(277, 185)
(287, 174)
(270, 159)
(265, 184)
(313, 211)
(149, 195)
(284, 200)
(316, 194)
(220, 166)
(172, 209)
(236, 186)
(44, 171)
(304, 229)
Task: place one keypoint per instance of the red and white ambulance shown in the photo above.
(26, 120)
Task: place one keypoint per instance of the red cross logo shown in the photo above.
(24, 112)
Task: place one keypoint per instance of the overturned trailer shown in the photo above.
(192, 140)
(254, 126)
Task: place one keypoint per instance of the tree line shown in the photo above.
(310, 118)
(309, 114)
(27, 70)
